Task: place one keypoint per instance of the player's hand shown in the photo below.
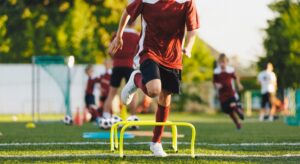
(240, 87)
(218, 85)
(115, 45)
(187, 52)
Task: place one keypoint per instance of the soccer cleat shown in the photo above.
(129, 89)
(239, 126)
(157, 150)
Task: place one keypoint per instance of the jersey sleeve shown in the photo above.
(192, 16)
(215, 78)
(134, 9)
(233, 75)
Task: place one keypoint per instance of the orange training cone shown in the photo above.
(77, 120)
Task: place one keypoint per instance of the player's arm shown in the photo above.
(238, 82)
(217, 85)
(117, 43)
(132, 11)
(192, 25)
(190, 40)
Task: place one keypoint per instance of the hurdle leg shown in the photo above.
(111, 137)
(193, 141)
(122, 140)
(116, 138)
(174, 138)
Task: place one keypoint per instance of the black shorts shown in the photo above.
(170, 78)
(102, 98)
(266, 100)
(118, 73)
(89, 100)
(226, 108)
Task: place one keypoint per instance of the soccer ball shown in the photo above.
(116, 119)
(105, 123)
(133, 118)
(68, 120)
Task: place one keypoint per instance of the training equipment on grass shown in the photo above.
(57, 71)
(115, 119)
(105, 123)
(114, 143)
(103, 135)
(68, 120)
(30, 125)
(150, 134)
(133, 118)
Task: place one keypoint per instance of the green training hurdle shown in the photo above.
(114, 143)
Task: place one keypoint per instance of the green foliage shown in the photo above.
(283, 42)
(200, 66)
(67, 27)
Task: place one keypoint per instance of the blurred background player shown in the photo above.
(104, 81)
(268, 82)
(144, 105)
(160, 53)
(122, 69)
(89, 94)
(224, 77)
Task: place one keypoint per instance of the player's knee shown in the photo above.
(153, 88)
(154, 92)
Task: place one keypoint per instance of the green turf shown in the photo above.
(211, 129)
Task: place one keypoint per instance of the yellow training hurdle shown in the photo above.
(114, 143)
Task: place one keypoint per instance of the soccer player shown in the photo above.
(122, 68)
(159, 57)
(268, 82)
(89, 93)
(224, 77)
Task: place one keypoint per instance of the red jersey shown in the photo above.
(163, 28)
(226, 79)
(104, 81)
(90, 86)
(124, 57)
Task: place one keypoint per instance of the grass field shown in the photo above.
(217, 142)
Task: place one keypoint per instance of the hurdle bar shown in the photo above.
(114, 133)
(114, 143)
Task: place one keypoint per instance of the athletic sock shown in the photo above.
(139, 83)
(162, 114)
(235, 120)
(106, 115)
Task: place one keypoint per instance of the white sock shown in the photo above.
(106, 115)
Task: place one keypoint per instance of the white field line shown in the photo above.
(147, 143)
(149, 155)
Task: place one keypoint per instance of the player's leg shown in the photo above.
(115, 82)
(263, 110)
(147, 79)
(133, 105)
(228, 107)
(162, 113)
(238, 109)
(108, 103)
(170, 83)
(91, 107)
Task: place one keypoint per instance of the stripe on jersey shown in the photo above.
(150, 1)
(136, 59)
(182, 1)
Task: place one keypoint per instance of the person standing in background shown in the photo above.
(268, 82)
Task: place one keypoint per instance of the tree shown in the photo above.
(58, 27)
(282, 43)
(200, 66)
